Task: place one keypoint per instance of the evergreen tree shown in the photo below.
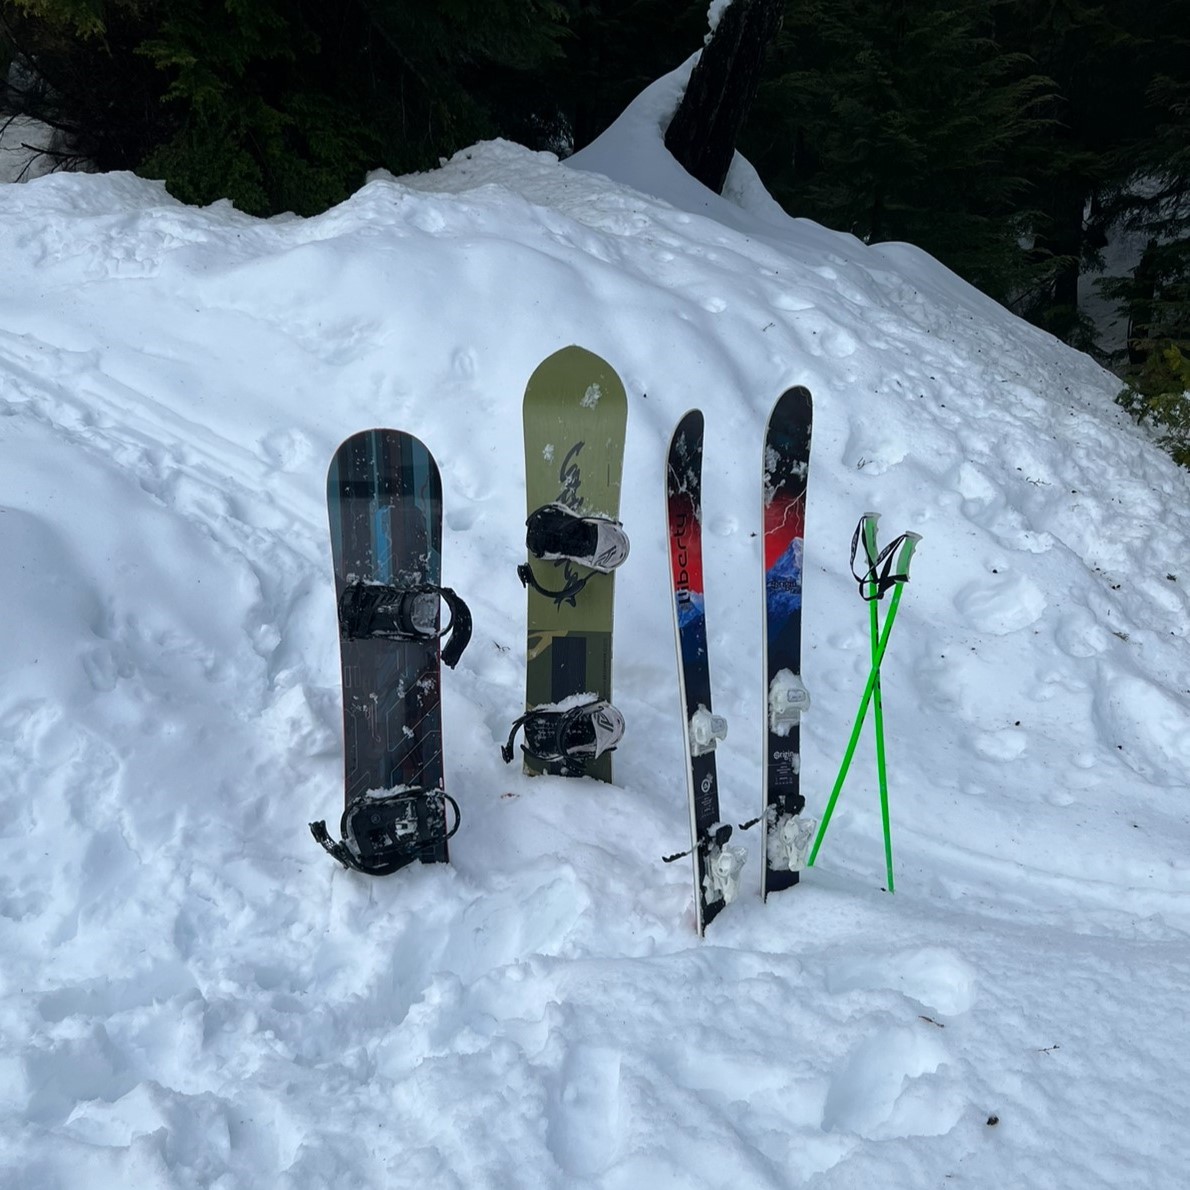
(1082, 161)
(612, 50)
(1154, 198)
(277, 104)
(903, 119)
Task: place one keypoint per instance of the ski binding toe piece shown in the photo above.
(788, 699)
(706, 730)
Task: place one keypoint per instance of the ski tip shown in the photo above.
(793, 408)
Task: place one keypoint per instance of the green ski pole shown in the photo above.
(870, 521)
(908, 545)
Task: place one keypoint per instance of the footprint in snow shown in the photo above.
(285, 450)
(889, 1084)
(877, 1094)
(583, 1128)
(935, 979)
(1001, 603)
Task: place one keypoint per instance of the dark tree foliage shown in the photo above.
(1095, 53)
(277, 104)
(284, 104)
(613, 49)
(1154, 197)
(904, 121)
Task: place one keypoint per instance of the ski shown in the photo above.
(717, 863)
(575, 414)
(784, 471)
(384, 500)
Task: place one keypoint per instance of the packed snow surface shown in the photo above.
(192, 994)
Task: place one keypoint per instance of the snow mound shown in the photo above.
(194, 995)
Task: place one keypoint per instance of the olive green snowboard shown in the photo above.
(575, 415)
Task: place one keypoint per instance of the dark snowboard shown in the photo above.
(785, 467)
(384, 498)
(575, 415)
(701, 728)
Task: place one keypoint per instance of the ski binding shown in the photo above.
(788, 699)
(722, 867)
(706, 730)
(789, 842)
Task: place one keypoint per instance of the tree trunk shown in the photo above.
(702, 134)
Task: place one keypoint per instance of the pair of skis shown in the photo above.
(785, 464)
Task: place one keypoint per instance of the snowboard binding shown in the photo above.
(570, 737)
(369, 610)
(556, 534)
(381, 834)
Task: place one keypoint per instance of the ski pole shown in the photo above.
(870, 521)
(909, 543)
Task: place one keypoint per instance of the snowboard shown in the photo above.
(384, 500)
(701, 727)
(784, 469)
(575, 416)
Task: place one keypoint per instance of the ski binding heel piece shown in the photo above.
(370, 610)
(788, 699)
(385, 830)
(788, 843)
(571, 736)
(706, 730)
(722, 866)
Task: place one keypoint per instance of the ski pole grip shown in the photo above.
(868, 523)
(906, 555)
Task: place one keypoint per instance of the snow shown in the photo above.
(194, 995)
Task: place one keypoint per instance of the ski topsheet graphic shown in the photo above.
(716, 864)
(384, 500)
(785, 467)
(575, 415)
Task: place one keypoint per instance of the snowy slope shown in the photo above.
(193, 995)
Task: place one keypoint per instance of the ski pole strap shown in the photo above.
(574, 584)
(717, 836)
(885, 569)
(409, 809)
